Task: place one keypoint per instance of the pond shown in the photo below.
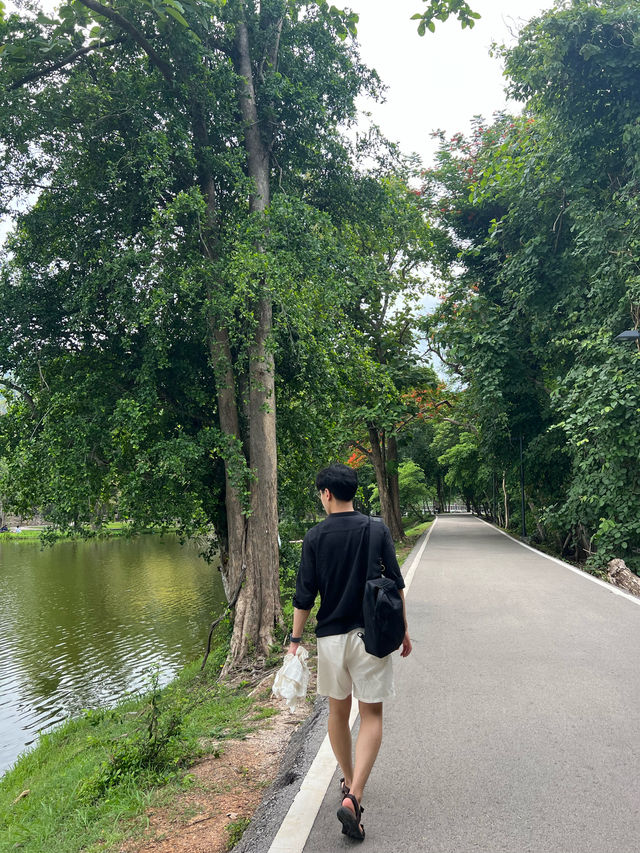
(83, 624)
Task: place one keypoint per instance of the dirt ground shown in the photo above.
(226, 788)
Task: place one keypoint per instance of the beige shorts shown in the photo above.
(344, 667)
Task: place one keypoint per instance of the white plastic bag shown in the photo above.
(292, 679)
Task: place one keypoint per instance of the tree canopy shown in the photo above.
(542, 213)
(197, 247)
(212, 290)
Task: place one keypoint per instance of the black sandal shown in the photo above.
(344, 789)
(351, 825)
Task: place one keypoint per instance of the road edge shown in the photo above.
(296, 826)
(608, 586)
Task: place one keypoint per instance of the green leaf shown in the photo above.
(588, 51)
(42, 19)
(175, 14)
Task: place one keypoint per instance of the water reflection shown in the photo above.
(82, 624)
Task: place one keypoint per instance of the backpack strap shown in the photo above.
(374, 557)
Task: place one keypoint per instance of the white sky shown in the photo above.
(439, 81)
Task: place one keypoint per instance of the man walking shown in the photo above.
(334, 564)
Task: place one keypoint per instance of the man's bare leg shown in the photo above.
(340, 735)
(367, 748)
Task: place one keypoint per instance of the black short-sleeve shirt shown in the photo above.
(334, 564)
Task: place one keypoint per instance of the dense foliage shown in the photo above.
(543, 214)
(197, 248)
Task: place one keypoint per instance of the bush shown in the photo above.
(154, 750)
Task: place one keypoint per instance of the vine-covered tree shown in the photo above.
(544, 215)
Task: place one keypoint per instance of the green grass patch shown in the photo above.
(235, 831)
(265, 713)
(112, 530)
(418, 529)
(91, 781)
(412, 533)
(23, 536)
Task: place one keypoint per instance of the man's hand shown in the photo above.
(293, 648)
(406, 646)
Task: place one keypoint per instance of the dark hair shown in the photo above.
(341, 481)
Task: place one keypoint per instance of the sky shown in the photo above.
(439, 81)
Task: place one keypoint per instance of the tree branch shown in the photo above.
(470, 427)
(272, 50)
(115, 17)
(357, 446)
(457, 368)
(24, 393)
(404, 330)
(44, 72)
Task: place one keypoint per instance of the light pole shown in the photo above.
(493, 502)
(524, 523)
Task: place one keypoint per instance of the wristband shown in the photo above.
(294, 639)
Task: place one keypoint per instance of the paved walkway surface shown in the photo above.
(516, 726)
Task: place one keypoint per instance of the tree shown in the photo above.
(390, 246)
(163, 139)
(413, 488)
(543, 215)
(168, 149)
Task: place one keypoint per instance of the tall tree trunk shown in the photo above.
(440, 492)
(233, 544)
(506, 499)
(379, 459)
(394, 484)
(258, 606)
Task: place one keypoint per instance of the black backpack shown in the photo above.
(382, 605)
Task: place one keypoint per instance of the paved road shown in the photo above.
(517, 722)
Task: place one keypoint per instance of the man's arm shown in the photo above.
(299, 621)
(406, 641)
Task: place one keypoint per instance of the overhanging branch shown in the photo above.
(357, 446)
(67, 60)
(119, 20)
(23, 393)
(457, 368)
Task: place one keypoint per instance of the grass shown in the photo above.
(418, 529)
(112, 530)
(235, 831)
(20, 537)
(90, 782)
(413, 533)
